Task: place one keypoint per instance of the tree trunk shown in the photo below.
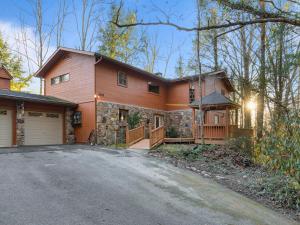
(262, 78)
(246, 83)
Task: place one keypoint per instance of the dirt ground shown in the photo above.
(231, 169)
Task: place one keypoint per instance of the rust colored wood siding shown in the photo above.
(178, 94)
(136, 92)
(4, 83)
(88, 121)
(79, 89)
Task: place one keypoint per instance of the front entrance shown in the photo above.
(43, 128)
(158, 121)
(5, 128)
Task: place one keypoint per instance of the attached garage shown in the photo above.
(6, 128)
(28, 119)
(43, 128)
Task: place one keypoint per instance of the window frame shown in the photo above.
(218, 119)
(153, 85)
(121, 112)
(60, 79)
(119, 74)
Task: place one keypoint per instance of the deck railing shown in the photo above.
(211, 131)
(135, 135)
(156, 136)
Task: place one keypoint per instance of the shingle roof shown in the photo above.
(99, 57)
(7, 94)
(214, 99)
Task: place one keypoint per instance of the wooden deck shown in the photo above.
(143, 145)
(179, 140)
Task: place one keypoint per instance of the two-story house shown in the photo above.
(102, 92)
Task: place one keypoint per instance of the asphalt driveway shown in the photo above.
(82, 185)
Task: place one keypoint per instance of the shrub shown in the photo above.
(133, 120)
(279, 150)
(243, 145)
(171, 133)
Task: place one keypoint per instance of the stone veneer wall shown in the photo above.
(69, 129)
(109, 127)
(20, 123)
(181, 120)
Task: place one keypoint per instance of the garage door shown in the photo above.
(5, 128)
(43, 128)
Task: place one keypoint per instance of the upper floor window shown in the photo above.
(153, 88)
(191, 95)
(60, 79)
(222, 91)
(122, 79)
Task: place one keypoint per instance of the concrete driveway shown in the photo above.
(72, 185)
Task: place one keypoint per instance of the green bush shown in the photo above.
(171, 133)
(279, 150)
(242, 145)
(133, 120)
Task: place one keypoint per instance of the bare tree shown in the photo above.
(151, 53)
(86, 22)
(262, 78)
(61, 15)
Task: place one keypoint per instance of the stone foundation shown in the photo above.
(111, 131)
(181, 121)
(69, 129)
(20, 114)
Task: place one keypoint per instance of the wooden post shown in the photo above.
(227, 118)
(193, 123)
(127, 136)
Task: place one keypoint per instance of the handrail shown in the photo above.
(134, 135)
(212, 131)
(156, 136)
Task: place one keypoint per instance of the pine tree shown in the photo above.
(122, 44)
(13, 64)
(179, 69)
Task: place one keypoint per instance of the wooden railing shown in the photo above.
(156, 136)
(135, 135)
(211, 131)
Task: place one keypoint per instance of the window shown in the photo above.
(60, 79)
(35, 114)
(122, 79)
(153, 88)
(52, 115)
(65, 77)
(216, 119)
(222, 91)
(192, 95)
(123, 115)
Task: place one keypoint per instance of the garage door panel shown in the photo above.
(43, 128)
(5, 128)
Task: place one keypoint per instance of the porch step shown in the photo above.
(142, 144)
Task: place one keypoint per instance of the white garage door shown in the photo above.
(5, 128)
(43, 128)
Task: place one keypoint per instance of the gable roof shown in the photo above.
(99, 57)
(214, 99)
(7, 94)
(4, 73)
